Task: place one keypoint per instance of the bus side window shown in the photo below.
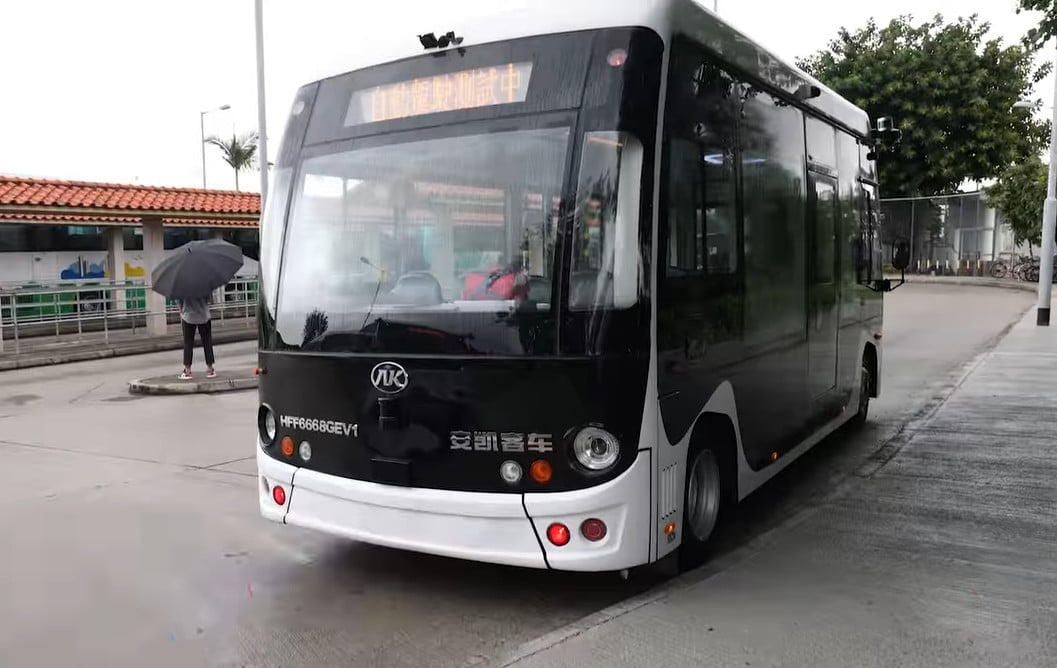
(702, 230)
(699, 304)
(702, 225)
(685, 232)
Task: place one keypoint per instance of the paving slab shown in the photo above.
(227, 380)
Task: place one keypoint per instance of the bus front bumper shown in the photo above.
(496, 528)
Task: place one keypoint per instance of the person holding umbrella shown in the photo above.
(189, 275)
(194, 315)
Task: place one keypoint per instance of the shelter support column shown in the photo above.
(153, 250)
(115, 262)
(218, 294)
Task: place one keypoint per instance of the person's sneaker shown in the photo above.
(185, 376)
(211, 373)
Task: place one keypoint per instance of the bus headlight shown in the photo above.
(266, 424)
(596, 449)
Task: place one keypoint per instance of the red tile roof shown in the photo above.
(29, 196)
(119, 221)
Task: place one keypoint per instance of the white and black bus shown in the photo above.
(556, 290)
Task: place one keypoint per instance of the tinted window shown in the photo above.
(821, 143)
(772, 162)
(825, 196)
(702, 217)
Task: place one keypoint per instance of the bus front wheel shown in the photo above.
(865, 387)
(706, 503)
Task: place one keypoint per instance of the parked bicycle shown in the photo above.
(1024, 269)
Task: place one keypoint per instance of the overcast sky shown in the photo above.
(111, 90)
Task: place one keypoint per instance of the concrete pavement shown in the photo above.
(938, 551)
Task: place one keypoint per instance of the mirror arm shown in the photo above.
(888, 286)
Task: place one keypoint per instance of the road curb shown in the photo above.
(980, 282)
(179, 387)
(116, 350)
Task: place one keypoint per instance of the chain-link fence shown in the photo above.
(950, 234)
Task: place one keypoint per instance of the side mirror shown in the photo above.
(901, 254)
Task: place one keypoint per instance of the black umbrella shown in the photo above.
(197, 268)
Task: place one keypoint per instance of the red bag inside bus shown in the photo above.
(495, 282)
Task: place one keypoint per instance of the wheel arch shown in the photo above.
(717, 431)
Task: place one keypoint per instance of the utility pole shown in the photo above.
(1049, 220)
(262, 125)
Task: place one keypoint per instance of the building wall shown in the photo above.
(49, 267)
(47, 254)
(948, 230)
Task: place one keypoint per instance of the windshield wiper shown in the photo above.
(380, 334)
(348, 339)
(377, 288)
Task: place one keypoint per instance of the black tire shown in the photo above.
(703, 517)
(865, 384)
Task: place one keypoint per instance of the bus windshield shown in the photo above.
(438, 244)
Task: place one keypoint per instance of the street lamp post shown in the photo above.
(202, 135)
(1049, 221)
(262, 129)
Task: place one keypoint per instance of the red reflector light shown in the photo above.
(279, 495)
(558, 534)
(593, 529)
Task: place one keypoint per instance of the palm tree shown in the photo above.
(239, 152)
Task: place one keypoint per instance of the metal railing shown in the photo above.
(103, 311)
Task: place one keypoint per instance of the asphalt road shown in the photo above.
(131, 534)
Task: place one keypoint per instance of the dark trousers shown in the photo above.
(205, 332)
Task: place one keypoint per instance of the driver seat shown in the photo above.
(420, 288)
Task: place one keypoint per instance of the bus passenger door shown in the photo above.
(823, 295)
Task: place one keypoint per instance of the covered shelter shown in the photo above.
(121, 212)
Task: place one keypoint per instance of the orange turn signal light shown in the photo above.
(669, 529)
(774, 456)
(287, 446)
(541, 471)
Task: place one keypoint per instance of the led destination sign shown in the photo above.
(468, 89)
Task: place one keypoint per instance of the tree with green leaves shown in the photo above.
(1018, 195)
(948, 88)
(1047, 26)
(239, 152)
